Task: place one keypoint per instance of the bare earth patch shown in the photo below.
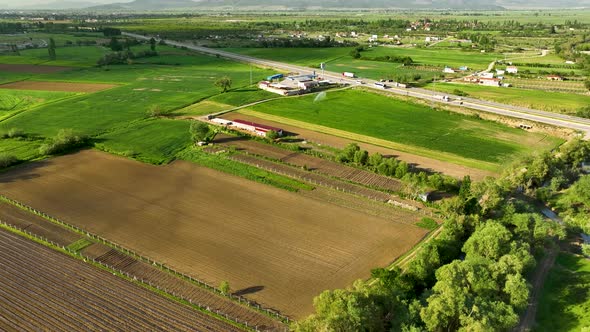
(279, 248)
(57, 86)
(33, 69)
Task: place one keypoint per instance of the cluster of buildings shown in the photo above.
(256, 128)
(491, 79)
(291, 85)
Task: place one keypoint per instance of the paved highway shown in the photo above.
(554, 119)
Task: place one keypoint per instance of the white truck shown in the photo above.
(348, 74)
(443, 98)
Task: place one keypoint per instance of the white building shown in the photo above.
(449, 70)
(490, 82)
(512, 70)
(500, 72)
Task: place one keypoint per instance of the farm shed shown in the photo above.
(512, 70)
(490, 81)
(257, 128)
(221, 121)
(274, 77)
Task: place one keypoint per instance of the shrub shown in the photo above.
(64, 141)
(13, 133)
(7, 160)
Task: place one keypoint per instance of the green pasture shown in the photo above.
(311, 57)
(437, 57)
(155, 141)
(565, 299)
(7, 77)
(60, 38)
(21, 149)
(167, 87)
(74, 56)
(14, 101)
(416, 127)
(548, 101)
(379, 70)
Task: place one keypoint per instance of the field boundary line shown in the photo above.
(121, 274)
(234, 298)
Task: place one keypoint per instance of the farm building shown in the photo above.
(486, 75)
(512, 70)
(490, 81)
(449, 70)
(471, 79)
(308, 85)
(555, 78)
(257, 128)
(463, 68)
(274, 77)
(221, 121)
(500, 72)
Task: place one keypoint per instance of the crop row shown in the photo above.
(42, 289)
(163, 278)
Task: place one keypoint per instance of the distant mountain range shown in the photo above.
(154, 5)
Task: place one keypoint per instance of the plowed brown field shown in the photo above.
(33, 69)
(56, 86)
(279, 248)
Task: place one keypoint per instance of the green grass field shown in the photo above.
(437, 57)
(311, 57)
(564, 304)
(547, 101)
(415, 128)
(66, 56)
(142, 86)
(21, 149)
(155, 141)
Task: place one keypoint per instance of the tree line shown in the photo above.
(473, 276)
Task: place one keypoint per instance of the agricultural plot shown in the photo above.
(280, 248)
(311, 57)
(543, 100)
(21, 149)
(83, 56)
(56, 86)
(326, 140)
(64, 294)
(156, 141)
(410, 127)
(438, 58)
(382, 70)
(14, 100)
(141, 87)
(31, 69)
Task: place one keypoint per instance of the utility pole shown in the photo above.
(250, 74)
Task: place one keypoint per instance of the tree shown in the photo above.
(465, 190)
(224, 287)
(361, 157)
(587, 84)
(51, 49)
(376, 159)
(492, 240)
(272, 135)
(152, 44)
(200, 131)
(115, 45)
(223, 83)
